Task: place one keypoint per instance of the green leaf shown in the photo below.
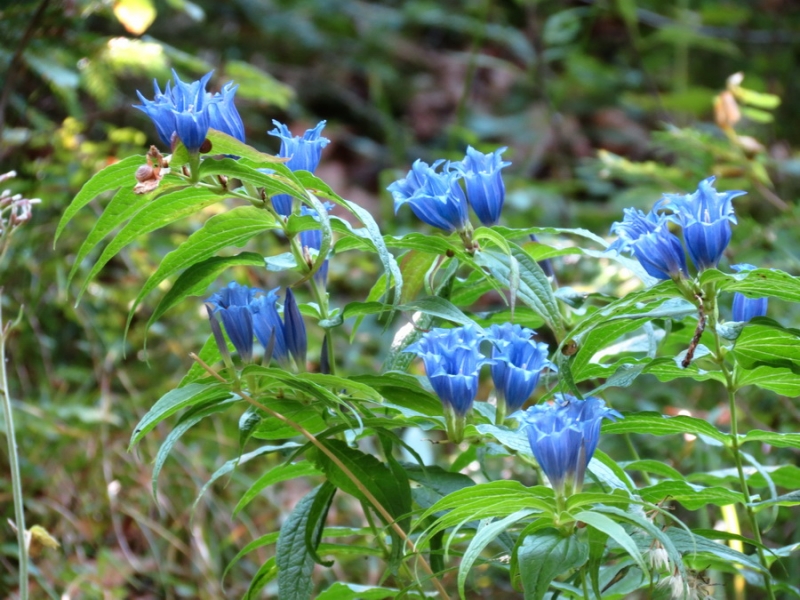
(790, 499)
(546, 555)
(260, 542)
(657, 424)
(773, 438)
(534, 290)
(757, 283)
(266, 573)
(273, 183)
(175, 400)
(403, 390)
(436, 483)
(352, 591)
(766, 343)
(438, 307)
(186, 422)
(271, 428)
(781, 380)
(231, 228)
(222, 143)
(615, 531)
(230, 465)
(165, 209)
(125, 204)
(690, 495)
(295, 563)
(275, 475)
(485, 535)
(113, 176)
(393, 494)
(195, 280)
(318, 513)
(688, 543)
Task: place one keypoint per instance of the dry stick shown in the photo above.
(701, 327)
(348, 473)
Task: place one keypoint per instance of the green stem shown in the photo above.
(13, 461)
(730, 385)
(500, 412)
(585, 585)
(321, 297)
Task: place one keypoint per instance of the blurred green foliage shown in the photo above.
(603, 104)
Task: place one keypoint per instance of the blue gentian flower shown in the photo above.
(312, 239)
(268, 326)
(486, 191)
(649, 239)
(188, 110)
(706, 217)
(519, 361)
(452, 360)
(436, 198)
(232, 305)
(303, 153)
(222, 113)
(745, 308)
(563, 437)
(295, 330)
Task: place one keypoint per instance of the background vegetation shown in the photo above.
(603, 105)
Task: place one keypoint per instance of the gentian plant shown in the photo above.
(567, 518)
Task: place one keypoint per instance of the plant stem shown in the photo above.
(713, 314)
(13, 461)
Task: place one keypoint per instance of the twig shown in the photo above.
(698, 332)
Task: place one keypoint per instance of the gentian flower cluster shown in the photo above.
(563, 437)
(453, 360)
(518, 361)
(745, 308)
(304, 154)
(704, 216)
(437, 198)
(188, 111)
(246, 312)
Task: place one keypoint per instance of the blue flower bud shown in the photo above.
(303, 153)
(269, 327)
(706, 217)
(649, 239)
(232, 305)
(295, 330)
(436, 198)
(563, 437)
(452, 363)
(312, 239)
(745, 308)
(188, 110)
(519, 361)
(486, 191)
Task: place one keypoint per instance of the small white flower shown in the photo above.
(659, 559)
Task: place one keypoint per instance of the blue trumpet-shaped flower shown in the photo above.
(518, 363)
(436, 198)
(452, 360)
(222, 113)
(304, 154)
(268, 326)
(706, 216)
(563, 437)
(486, 191)
(188, 110)
(232, 305)
(745, 308)
(649, 239)
(312, 239)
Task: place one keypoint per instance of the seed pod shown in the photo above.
(205, 146)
